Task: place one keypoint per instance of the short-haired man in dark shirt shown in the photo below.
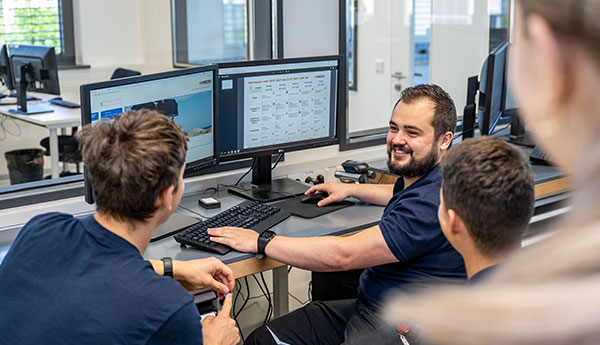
(84, 281)
(406, 250)
(487, 200)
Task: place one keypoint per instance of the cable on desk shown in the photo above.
(277, 160)
(505, 127)
(194, 212)
(254, 160)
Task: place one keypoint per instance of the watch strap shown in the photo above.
(263, 239)
(167, 266)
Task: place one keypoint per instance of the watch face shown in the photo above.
(267, 234)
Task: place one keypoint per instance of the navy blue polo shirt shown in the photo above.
(412, 231)
(72, 281)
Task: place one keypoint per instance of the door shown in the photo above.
(383, 63)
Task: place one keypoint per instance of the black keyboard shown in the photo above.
(65, 104)
(538, 156)
(249, 215)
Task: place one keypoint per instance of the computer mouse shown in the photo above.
(313, 198)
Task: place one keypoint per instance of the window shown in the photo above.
(210, 31)
(498, 22)
(39, 22)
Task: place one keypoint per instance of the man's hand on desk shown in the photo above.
(243, 240)
(210, 272)
(194, 274)
(337, 192)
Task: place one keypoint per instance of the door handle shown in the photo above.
(398, 75)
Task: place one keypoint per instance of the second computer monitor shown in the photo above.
(491, 90)
(275, 106)
(187, 96)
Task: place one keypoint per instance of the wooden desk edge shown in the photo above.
(251, 266)
(550, 188)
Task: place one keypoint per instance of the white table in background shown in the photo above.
(61, 117)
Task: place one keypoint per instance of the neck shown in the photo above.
(410, 180)
(475, 262)
(135, 232)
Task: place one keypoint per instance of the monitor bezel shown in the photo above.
(5, 62)
(487, 124)
(298, 145)
(47, 58)
(192, 168)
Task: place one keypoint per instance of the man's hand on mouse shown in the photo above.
(337, 192)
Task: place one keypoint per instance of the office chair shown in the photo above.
(123, 72)
(68, 150)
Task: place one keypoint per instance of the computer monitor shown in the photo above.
(187, 96)
(275, 106)
(5, 70)
(491, 90)
(33, 68)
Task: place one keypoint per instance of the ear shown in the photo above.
(551, 59)
(456, 225)
(446, 140)
(165, 198)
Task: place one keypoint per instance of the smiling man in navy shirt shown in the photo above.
(405, 251)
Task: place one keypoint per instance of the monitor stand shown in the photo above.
(22, 108)
(264, 189)
(518, 135)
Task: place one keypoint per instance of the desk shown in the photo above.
(340, 222)
(351, 219)
(61, 117)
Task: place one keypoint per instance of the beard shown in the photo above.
(414, 167)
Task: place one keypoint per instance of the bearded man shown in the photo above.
(405, 251)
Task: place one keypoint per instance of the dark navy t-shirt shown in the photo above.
(412, 231)
(71, 281)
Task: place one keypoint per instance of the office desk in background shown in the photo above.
(61, 117)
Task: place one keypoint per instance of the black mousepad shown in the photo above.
(296, 208)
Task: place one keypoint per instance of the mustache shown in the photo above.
(403, 148)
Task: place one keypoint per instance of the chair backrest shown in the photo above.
(122, 73)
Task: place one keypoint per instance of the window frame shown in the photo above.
(66, 58)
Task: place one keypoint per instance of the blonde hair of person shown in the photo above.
(548, 293)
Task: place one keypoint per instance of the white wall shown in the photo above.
(369, 105)
(310, 27)
(117, 32)
(459, 44)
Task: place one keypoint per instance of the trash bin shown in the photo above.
(25, 165)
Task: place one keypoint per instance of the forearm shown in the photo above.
(378, 194)
(324, 254)
(159, 268)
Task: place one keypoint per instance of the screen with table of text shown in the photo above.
(267, 105)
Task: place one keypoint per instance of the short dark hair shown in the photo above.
(131, 160)
(488, 183)
(444, 117)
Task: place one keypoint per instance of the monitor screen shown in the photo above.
(491, 101)
(187, 96)
(277, 105)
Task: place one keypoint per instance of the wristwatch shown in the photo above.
(263, 239)
(168, 266)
